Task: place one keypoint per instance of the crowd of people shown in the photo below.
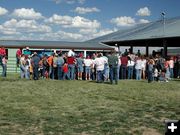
(108, 67)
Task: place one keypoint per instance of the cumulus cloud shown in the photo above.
(123, 21)
(3, 11)
(143, 12)
(61, 35)
(27, 26)
(8, 31)
(143, 21)
(25, 13)
(82, 10)
(73, 22)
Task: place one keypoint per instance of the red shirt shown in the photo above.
(65, 68)
(18, 53)
(70, 60)
(124, 60)
(2, 51)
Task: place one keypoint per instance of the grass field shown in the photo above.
(47, 107)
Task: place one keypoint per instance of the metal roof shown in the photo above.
(150, 30)
(54, 45)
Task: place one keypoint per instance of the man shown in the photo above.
(59, 63)
(35, 63)
(27, 51)
(124, 62)
(18, 56)
(99, 63)
(113, 65)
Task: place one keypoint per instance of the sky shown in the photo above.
(77, 20)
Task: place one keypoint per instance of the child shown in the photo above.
(155, 73)
(162, 76)
(65, 71)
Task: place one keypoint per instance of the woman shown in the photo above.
(130, 66)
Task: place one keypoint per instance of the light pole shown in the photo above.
(164, 41)
(163, 17)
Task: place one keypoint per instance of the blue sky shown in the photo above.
(77, 20)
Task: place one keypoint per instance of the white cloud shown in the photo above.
(73, 22)
(82, 10)
(61, 35)
(62, 20)
(27, 26)
(27, 13)
(143, 21)
(143, 12)
(69, 1)
(123, 21)
(8, 31)
(3, 11)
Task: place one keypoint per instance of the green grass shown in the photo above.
(47, 107)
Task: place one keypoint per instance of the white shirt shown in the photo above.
(88, 62)
(171, 64)
(71, 53)
(138, 64)
(144, 64)
(130, 63)
(100, 63)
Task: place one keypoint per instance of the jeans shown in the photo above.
(123, 71)
(60, 72)
(171, 72)
(35, 72)
(22, 71)
(138, 74)
(130, 72)
(27, 74)
(150, 76)
(99, 76)
(118, 71)
(65, 75)
(4, 66)
(113, 74)
(50, 71)
(106, 71)
(71, 68)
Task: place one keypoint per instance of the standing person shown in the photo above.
(130, 66)
(150, 70)
(124, 62)
(113, 65)
(54, 70)
(65, 71)
(50, 63)
(99, 63)
(2, 54)
(143, 60)
(119, 66)
(88, 63)
(178, 67)
(27, 51)
(4, 65)
(22, 66)
(167, 74)
(27, 67)
(171, 67)
(71, 67)
(106, 68)
(138, 67)
(79, 62)
(35, 63)
(45, 66)
(60, 62)
(18, 56)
